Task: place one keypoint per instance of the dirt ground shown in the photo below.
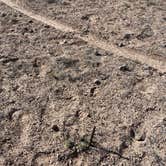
(65, 102)
(139, 25)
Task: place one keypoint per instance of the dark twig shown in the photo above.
(76, 151)
(109, 151)
(92, 135)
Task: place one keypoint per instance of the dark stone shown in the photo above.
(55, 128)
(132, 133)
(92, 90)
(128, 36)
(10, 59)
(97, 82)
(3, 14)
(142, 137)
(85, 17)
(121, 44)
(125, 67)
(30, 21)
(100, 53)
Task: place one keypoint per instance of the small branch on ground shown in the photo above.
(77, 149)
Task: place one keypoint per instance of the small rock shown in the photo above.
(132, 133)
(30, 21)
(3, 14)
(55, 128)
(47, 26)
(100, 53)
(97, 82)
(121, 44)
(127, 36)
(92, 90)
(125, 67)
(141, 137)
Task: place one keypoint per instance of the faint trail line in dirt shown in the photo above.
(37, 17)
(153, 61)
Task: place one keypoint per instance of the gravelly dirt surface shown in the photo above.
(140, 25)
(54, 88)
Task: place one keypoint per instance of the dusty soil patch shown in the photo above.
(154, 61)
(140, 25)
(54, 88)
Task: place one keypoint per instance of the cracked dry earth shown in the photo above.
(55, 87)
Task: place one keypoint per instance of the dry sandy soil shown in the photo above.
(139, 25)
(64, 101)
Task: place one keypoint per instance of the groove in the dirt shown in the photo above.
(153, 61)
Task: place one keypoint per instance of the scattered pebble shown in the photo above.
(97, 82)
(121, 44)
(126, 67)
(92, 90)
(55, 128)
(128, 36)
(141, 137)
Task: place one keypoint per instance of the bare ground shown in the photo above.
(55, 88)
(139, 25)
(157, 62)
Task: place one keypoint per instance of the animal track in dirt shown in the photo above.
(153, 61)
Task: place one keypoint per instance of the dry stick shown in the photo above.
(106, 150)
(101, 148)
(110, 151)
(75, 153)
(92, 135)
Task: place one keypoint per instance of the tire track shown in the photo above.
(152, 61)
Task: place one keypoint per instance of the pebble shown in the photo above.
(97, 82)
(125, 67)
(55, 128)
